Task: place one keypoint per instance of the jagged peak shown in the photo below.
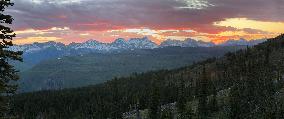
(119, 40)
(243, 39)
(92, 41)
(190, 40)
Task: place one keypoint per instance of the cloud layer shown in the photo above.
(97, 18)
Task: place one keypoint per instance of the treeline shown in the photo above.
(244, 84)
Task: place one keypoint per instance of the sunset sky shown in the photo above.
(105, 20)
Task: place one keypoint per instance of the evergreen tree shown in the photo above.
(137, 109)
(8, 74)
(237, 75)
(202, 95)
(116, 104)
(154, 105)
(181, 102)
(213, 104)
(167, 114)
(267, 100)
(235, 103)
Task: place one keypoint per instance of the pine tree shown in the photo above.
(167, 114)
(268, 99)
(116, 104)
(237, 75)
(181, 102)
(235, 103)
(202, 95)
(250, 89)
(137, 107)
(154, 105)
(213, 104)
(8, 74)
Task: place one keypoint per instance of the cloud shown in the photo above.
(30, 40)
(195, 4)
(155, 14)
(244, 23)
(96, 17)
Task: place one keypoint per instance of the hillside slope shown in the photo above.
(249, 81)
(83, 70)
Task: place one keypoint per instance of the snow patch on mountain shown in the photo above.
(186, 43)
(242, 41)
(122, 44)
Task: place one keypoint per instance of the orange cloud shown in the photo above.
(242, 23)
(233, 28)
(30, 40)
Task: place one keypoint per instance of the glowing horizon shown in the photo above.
(69, 21)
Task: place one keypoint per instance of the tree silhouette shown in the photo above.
(8, 74)
(181, 101)
(154, 104)
(202, 95)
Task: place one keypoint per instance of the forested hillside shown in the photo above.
(90, 69)
(243, 84)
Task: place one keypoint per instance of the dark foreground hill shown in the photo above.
(90, 69)
(246, 84)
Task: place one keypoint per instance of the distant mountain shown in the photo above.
(37, 52)
(242, 41)
(249, 82)
(35, 47)
(122, 44)
(186, 43)
(118, 44)
(94, 68)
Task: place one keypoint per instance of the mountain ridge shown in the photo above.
(220, 81)
(132, 43)
(37, 52)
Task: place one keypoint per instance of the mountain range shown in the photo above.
(132, 43)
(95, 68)
(37, 52)
(248, 81)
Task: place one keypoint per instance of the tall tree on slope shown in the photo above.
(202, 95)
(8, 74)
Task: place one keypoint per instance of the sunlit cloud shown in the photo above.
(195, 4)
(242, 23)
(105, 20)
(177, 37)
(84, 34)
(41, 32)
(232, 33)
(31, 31)
(30, 40)
(156, 35)
(226, 35)
(142, 31)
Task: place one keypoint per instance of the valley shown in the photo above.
(94, 68)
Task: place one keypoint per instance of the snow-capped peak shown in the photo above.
(119, 41)
(30, 48)
(186, 43)
(142, 43)
(122, 44)
(242, 41)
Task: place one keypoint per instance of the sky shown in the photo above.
(69, 21)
